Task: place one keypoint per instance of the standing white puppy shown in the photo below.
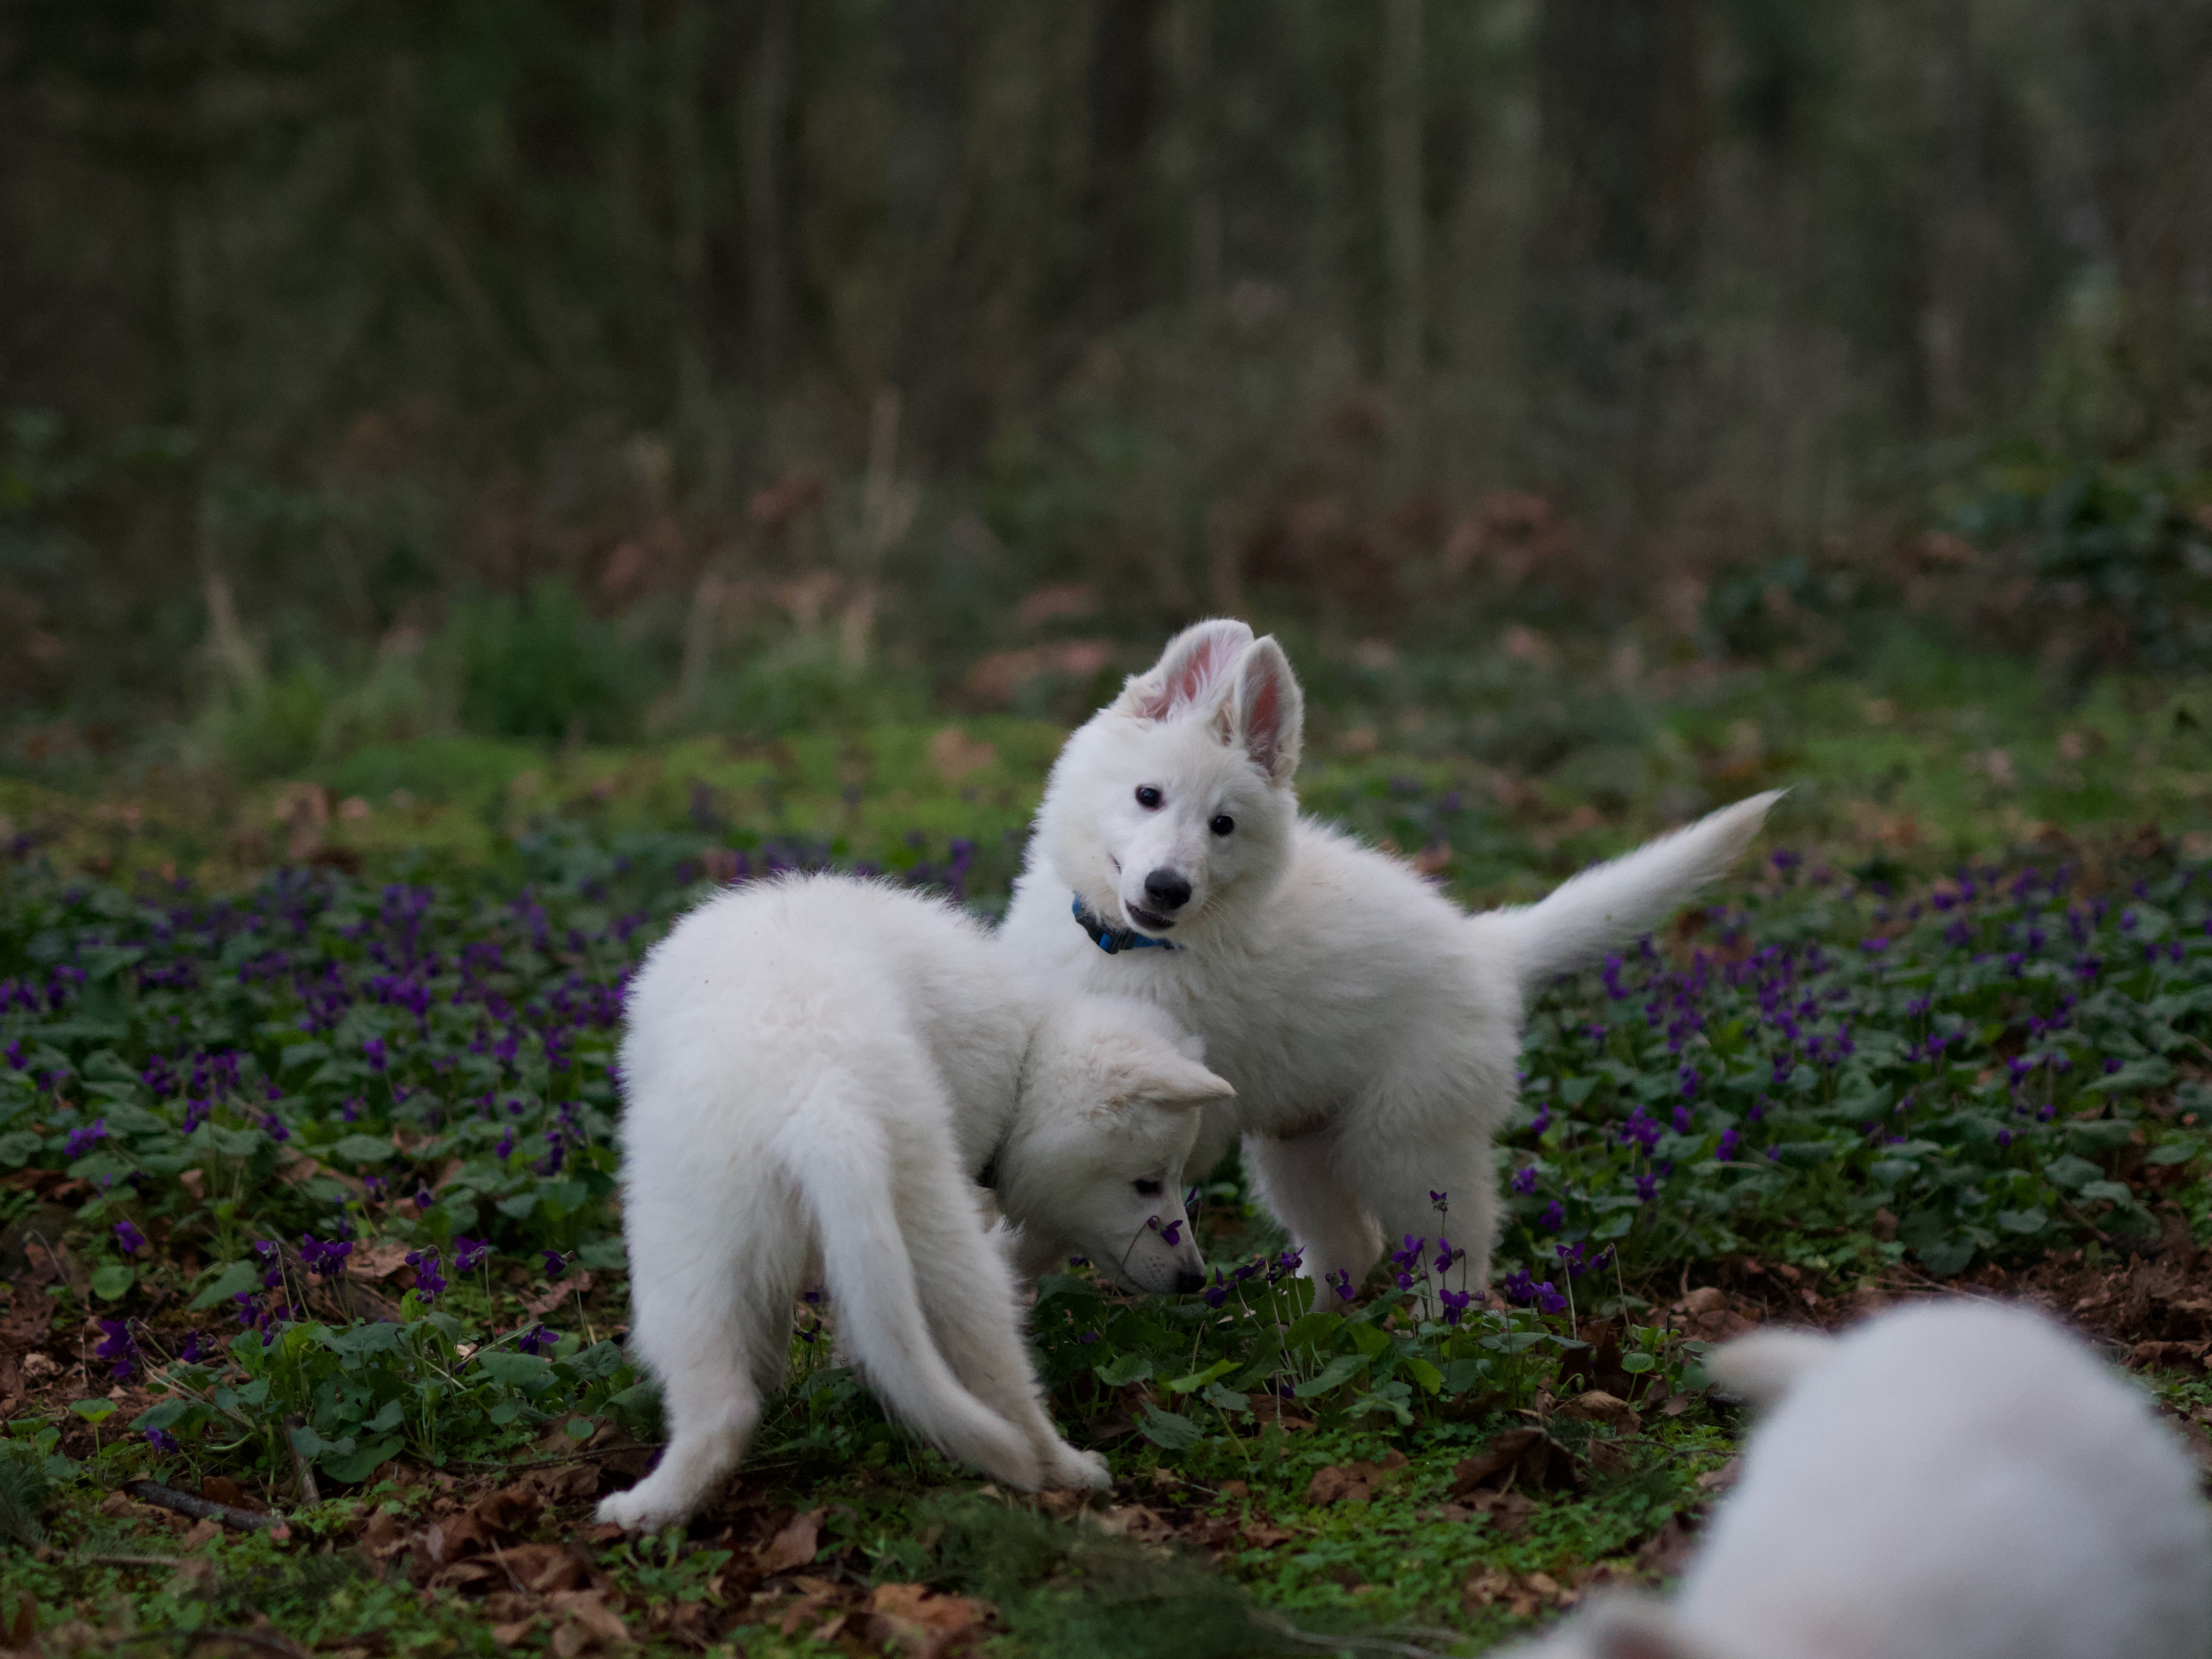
(816, 1072)
(1370, 1027)
(1953, 1480)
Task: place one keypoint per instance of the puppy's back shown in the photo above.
(1960, 1480)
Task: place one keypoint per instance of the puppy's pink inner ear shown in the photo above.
(1265, 710)
(1185, 678)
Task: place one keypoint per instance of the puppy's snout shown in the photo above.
(1167, 890)
(1188, 1281)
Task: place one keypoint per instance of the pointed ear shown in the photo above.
(1172, 1081)
(1265, 714)
(1193, 667)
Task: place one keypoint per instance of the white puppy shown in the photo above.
(1370, 1027)
(1951, 1480)
(816, 1073)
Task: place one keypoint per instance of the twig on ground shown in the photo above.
(200, 1508)
(131, 1560)
(573, 1457)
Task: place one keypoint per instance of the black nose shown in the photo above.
(1188, 1280)
(1167, 889)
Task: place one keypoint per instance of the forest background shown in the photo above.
(596, 372)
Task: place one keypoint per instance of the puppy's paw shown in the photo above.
(1079, 1470)
(636, 1510)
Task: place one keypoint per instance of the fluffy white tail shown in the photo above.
(1763, 1366)
(1610, 904)
(844, 1169)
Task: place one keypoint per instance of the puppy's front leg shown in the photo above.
(1302, 1182)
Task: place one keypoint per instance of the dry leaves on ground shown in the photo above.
(1353, 1483)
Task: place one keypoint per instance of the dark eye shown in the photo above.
(1148, 798)
(1147, 1188)
(1222, 824)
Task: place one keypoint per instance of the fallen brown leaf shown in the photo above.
(927, 1624)
(376, 1261)
(1352, 1483)
(1134, 1521)
(586, 1619)
(1500, 1461)
(795, 1545)
(1599, 1406)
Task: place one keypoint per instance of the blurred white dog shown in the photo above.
(1951, 1480)
(817, 1071)
(1371, 1027)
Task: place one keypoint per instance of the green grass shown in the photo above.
(484, 889)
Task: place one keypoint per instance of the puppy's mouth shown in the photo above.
(1146, 920)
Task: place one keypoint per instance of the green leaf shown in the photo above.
(1430, 1379)
(2032, 1220)
(2071, 1172)
(1124, 1369)
(2150, 1073)
(111, 1281)
(1198, 1379)
(1947, 1257)
(1369, 1339)
(1228, 1398)
(2103, 1134)
(1338, 1371)
(2113, 1192)
(1310, 1329)
(1170, 1431)
(1804, 1154)
(514, 1370)
(237, 1277)
(306, 1442)
(2173, 1151)
(363, 1149)
(360, 1463)
(1637, 1364)
(94, 1411)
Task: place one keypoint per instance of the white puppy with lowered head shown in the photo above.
(1371, 1028)
(1953, 1480)
(816, 1072)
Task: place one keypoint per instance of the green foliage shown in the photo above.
(24, 1494)
(2119, 549)
(542, 666)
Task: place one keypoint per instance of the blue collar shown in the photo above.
(1114, 940)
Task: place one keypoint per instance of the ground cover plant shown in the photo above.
(306, 1192)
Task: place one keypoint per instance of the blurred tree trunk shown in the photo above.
(1620, 150)
(683, 86)
(1402, 200)
(1196, 162)
(1953, 206)
(927, 188)
(767, 109)
(626, 203)
(1123, 101)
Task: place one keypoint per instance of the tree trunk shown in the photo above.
(767, 110)
(1402, 199)
(1620, 159)
(687, 182)
(1196, 157)
(1952, 208)
(1123, 99)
